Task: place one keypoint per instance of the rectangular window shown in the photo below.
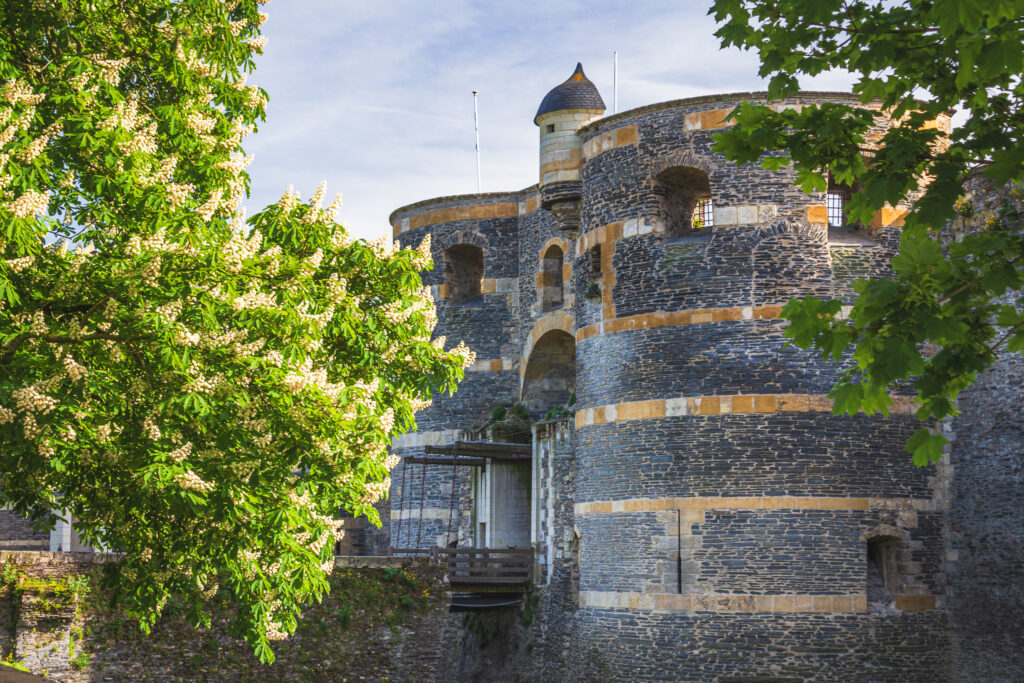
(703, 214)
(835, 202)
(595, 262)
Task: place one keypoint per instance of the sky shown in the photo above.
(375, 97)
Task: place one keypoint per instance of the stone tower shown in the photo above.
(562, 112)
(701, 514)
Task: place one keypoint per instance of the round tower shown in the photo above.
(563, 111)
(719, 502)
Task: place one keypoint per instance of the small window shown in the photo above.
(836, 202)
(463, 272)
(883, 573)
(549, 129)
(595, 262)
(703, 214)
(551, 279)
(836, 197)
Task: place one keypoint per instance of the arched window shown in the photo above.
(684, 201)
(550, 292)
(463, 272)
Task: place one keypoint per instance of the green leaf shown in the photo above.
(926, 447)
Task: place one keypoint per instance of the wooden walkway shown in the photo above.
(482, 570)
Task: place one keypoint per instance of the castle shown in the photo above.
(700, 514)
(635, 420)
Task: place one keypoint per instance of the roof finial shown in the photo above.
(576, 93)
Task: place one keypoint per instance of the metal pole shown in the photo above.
(679, 550)
(404, 501)
(476, 130)
(615, 82)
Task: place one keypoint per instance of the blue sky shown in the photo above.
(375, 97)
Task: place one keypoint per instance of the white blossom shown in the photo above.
(30, 204)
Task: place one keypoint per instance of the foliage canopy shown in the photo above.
(946, 311)
(201, 393)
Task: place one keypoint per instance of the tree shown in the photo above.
(946, 312)
(202, 394)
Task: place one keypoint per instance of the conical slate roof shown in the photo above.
(576, 93)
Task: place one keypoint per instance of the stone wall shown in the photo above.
(385, 619)
(986, 555)
(16, 533)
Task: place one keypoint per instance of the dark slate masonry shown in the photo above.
(703, 516)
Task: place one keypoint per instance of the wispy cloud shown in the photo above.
(376, 97)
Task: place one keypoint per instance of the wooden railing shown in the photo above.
(477, 566)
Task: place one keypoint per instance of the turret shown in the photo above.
(564, 110)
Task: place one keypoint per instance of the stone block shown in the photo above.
(767, 312)
(766, 212)
(842, 603)
(914, 603)
(708, 405)
(713, 118)
(746, 214)
(820, 404)
(701, 316)
(693, 516)
(675, 407)
(742, 404)
(817, 213)
(626, 135)
(821, 603)
(678, 318)
(794, 403)
(725, 215)
(782, 603)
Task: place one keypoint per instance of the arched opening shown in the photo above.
(550, 377)
(463, 272)
(883, 573)
(684, 201)
(550, 293)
